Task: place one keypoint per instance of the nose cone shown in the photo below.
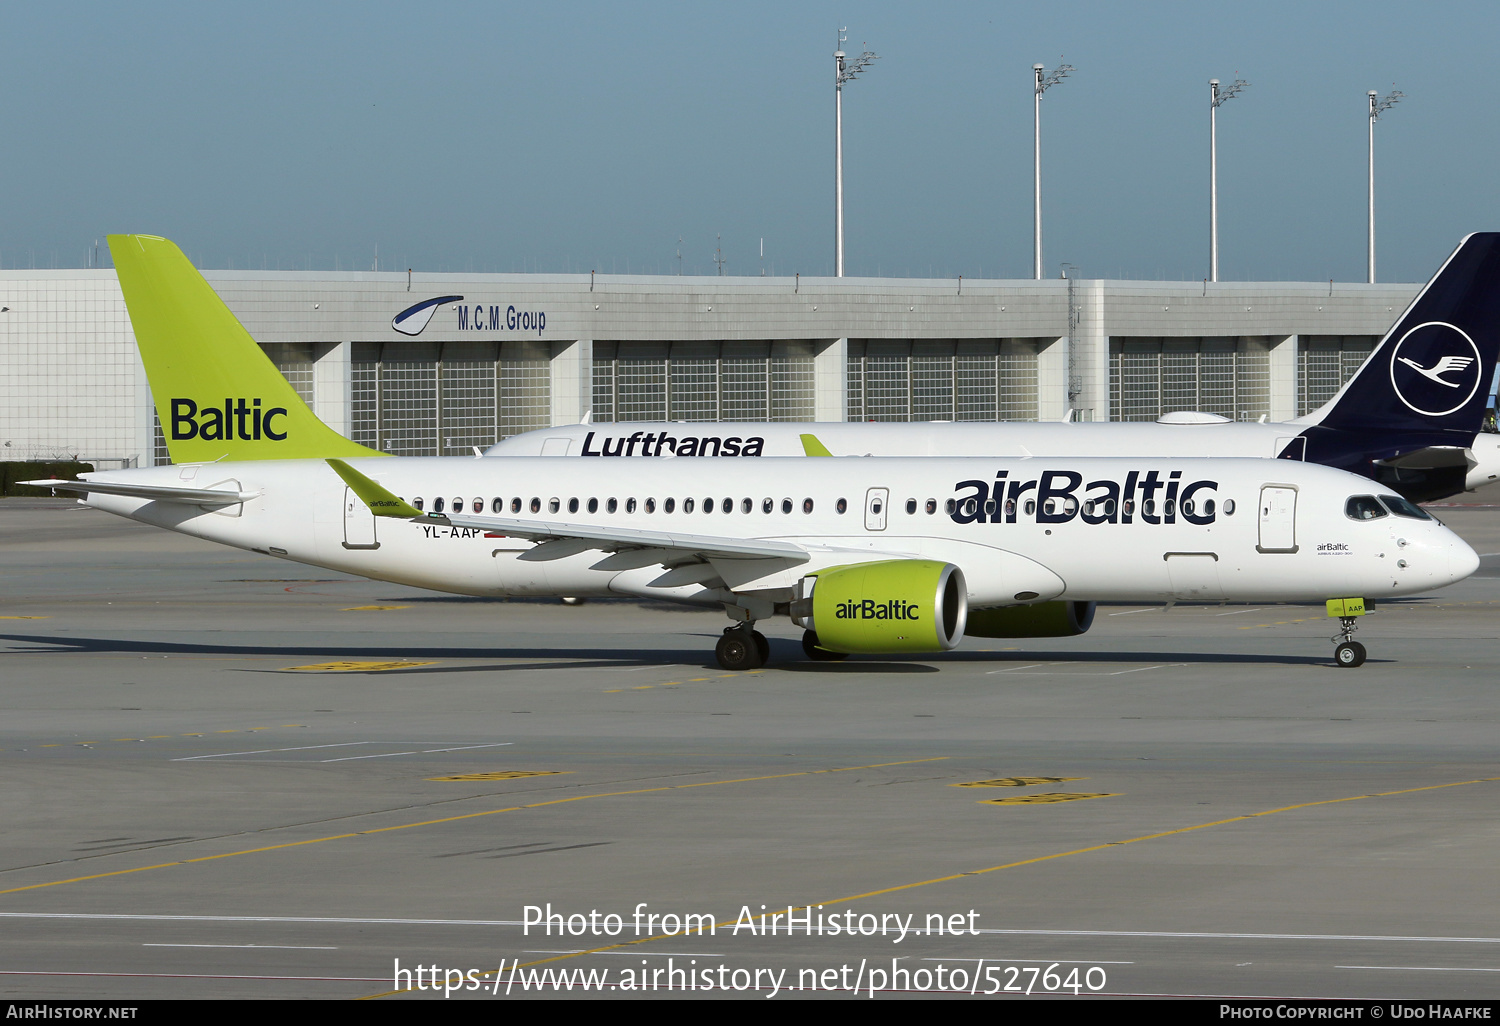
(1462, 560)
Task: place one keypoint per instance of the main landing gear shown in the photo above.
(1349, 652)
(742, 647)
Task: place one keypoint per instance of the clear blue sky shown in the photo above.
(570, 136)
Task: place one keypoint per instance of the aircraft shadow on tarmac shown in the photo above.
(575, 658)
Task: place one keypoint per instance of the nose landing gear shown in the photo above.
(1349, 652)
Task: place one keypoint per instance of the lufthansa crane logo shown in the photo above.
(414, 318)
(1435, 369)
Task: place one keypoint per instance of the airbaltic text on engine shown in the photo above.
(214, 424)
(1053, 498)
(869, 609)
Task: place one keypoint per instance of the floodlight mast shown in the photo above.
(1378, 105)
(1043, 80)
(1217, 96)
(845, 69)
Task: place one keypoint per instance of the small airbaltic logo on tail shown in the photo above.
(413, 319)
(1435, 369)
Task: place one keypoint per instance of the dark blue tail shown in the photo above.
(1425, 387)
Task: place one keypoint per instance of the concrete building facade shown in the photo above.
(509, 353)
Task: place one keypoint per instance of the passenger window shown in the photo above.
(593, 505)
(989, 507)
(1088, 508)
(687, 505)
(911, 506)
(1109, 507)
(708, 505)
(417, 503)
(951, 506)
(630, 505)
(767, 504)
(437, 504)
(807, 505)
(1030, 507)
(1363, 507)
(554, 504)
(458, 505)
(612, 505)
(1148, 508)
(728, 504)
(1405, 508)
(1010, 509)
(841, 506)
(1229, 507)
(1208, 507)
(536, 504)
(669, 505)
(786, 505)
(1128, 506)
(1187, 507)
(1169, 507)
(497, 507)
(931, 506)
(650, 505)
(971, 506)
(746, 505)
(515, 504)
(573, 505)
(478, 505)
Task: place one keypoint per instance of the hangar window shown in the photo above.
(807, 505)
(841, 505)
(669, 505)
(515, 504)
(911, 506)
(630, 504)
(593, 505)
(573, 505)
(437, 504)
(687, 505)
(931, 506)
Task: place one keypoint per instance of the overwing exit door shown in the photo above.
(876, 501)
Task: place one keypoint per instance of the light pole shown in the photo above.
(1378, 106)
(1043, 81)
(1216, 96)
(844, 71)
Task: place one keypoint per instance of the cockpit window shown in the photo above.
(1363, 507)
(1405, 508)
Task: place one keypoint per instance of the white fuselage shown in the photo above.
(1217, 439)
(1292, 543)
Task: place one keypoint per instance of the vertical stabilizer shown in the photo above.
(217, 393)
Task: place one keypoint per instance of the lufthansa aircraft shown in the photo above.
(1408, 420)
(868, 556)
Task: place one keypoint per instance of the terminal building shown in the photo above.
(505, 353)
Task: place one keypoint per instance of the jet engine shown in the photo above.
(896, 605)
(1042, 620)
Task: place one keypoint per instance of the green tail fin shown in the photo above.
(216, 392)
(812, 447)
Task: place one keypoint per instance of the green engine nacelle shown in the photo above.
(1043, 620)
(896, 605)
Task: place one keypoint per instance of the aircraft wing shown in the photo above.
(568, 539)
(157, 493)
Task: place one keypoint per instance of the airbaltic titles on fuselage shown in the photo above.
(1053, 497)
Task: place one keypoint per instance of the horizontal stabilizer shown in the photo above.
(1433, 457)
(382, 502)
(157, 493)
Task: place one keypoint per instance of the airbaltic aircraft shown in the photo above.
(1409, 419)
(868, 556)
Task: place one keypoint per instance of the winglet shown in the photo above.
(381, 502)
(812, 447)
